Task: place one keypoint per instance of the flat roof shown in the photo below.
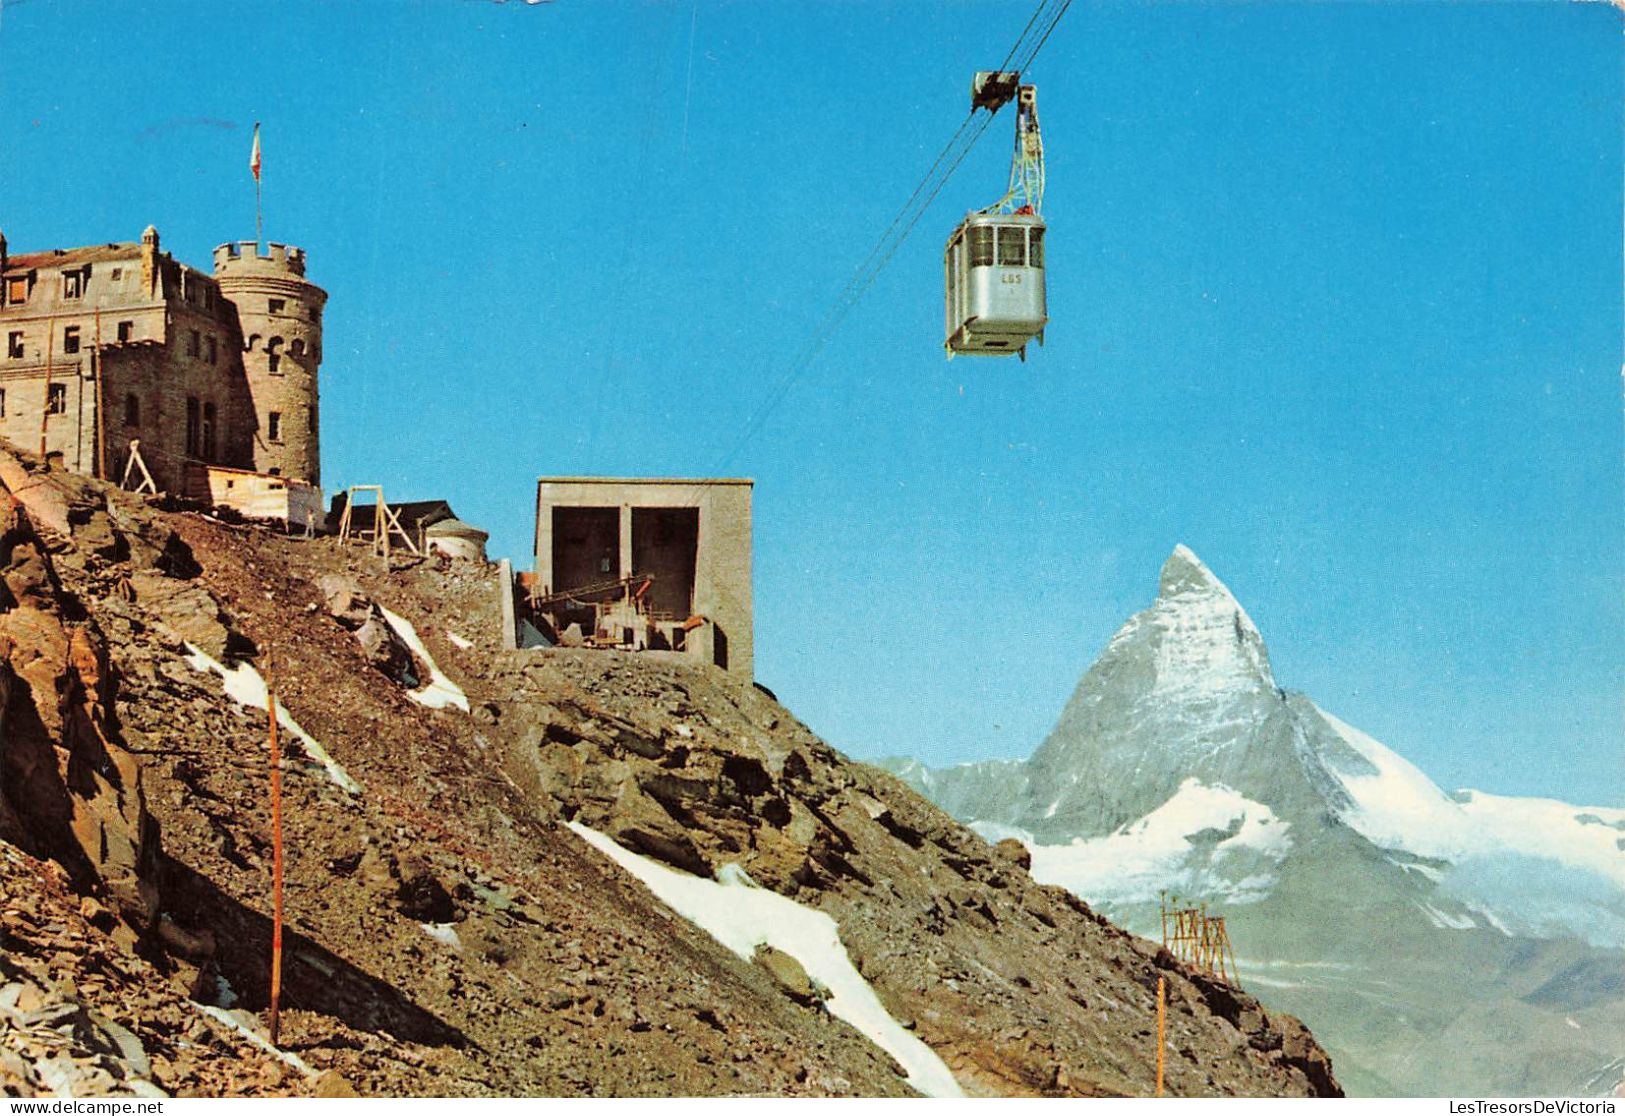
(687, 481)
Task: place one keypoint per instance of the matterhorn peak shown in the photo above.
(1207, 637)
(1184, 572)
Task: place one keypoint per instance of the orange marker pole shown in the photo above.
(276, 857)
(1162, 1024)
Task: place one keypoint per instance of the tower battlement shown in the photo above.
(238, 257)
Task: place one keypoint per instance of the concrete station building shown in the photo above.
(689, 540)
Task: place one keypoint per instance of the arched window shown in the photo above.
(296, 348)
(273, 354)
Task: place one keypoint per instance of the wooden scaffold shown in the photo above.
(1199, 939)
(386, 524)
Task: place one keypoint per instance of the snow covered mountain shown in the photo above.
(1396, 919)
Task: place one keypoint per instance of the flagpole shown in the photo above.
(259, 210)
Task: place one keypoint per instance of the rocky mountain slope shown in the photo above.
(476, 840)
(1438, 943)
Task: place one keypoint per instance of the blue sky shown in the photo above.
(1335, 289)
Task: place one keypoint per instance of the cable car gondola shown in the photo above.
(994, 262)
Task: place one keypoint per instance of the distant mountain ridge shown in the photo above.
(1179, 764)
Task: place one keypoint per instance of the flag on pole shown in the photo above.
(254, 159)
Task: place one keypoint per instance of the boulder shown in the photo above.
(183, 610)
(789, 975)
(1012, 851)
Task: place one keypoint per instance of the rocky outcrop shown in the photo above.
(71, 790)
(80, 1016)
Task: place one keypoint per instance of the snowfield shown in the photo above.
(1161, 850)
(1531, 866)
(741, 916)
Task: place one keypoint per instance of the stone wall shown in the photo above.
(173, 341)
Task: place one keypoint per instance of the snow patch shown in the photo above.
(741, 916)
(246, 1025)
(244, 685)
(444, 932)
(1444, 920)
(1157, 853)
(458, 641)
(440, 690)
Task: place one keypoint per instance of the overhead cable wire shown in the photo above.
(931, 184)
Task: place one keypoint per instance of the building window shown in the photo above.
(70, 339)
(132, 410)
(296, 348)
(73, 284)
(126, 330)
(56, 403)
(118, 273)
(2, 402)
(273, 427)
(273, 354)
(194, 425)
(17, 289)
(191, 289)
(213, 350)
(208, 432)
(276, 305)
(194, 343)
(14, 344)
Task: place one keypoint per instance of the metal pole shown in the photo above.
(276, 857)
(1162, 1026)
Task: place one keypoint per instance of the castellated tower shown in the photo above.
(280, 312)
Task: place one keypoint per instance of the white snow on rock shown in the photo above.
(1444, 920)
(440, 690)
(458, 641)
(245, 1024)
(1145, 857)
(742, 916)
(1203, 649)
(244, 685)
(443, 932)
(1401, 808)
(1531, 866)
(1396, 806)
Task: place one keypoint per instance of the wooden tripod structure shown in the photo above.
(386, 524)
(135, 461)
(1199, 939)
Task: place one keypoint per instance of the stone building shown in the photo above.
(117, 342)
(597, 538)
